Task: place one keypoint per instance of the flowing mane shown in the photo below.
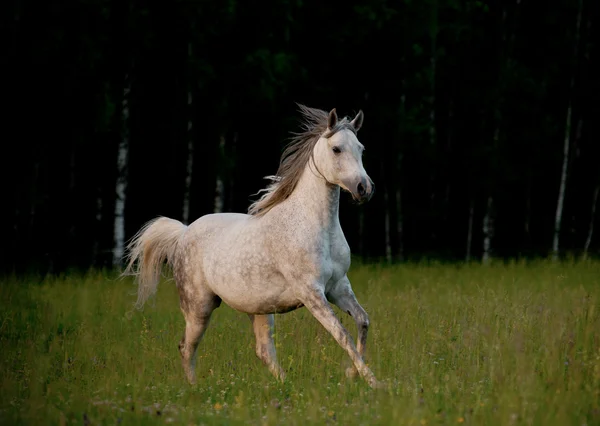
(295, 157)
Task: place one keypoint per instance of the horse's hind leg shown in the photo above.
(265, 347)
(197, 316)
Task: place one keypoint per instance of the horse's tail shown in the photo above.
(154, 243)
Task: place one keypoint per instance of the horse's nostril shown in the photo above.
(361, 189)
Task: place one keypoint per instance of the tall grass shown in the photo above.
(498, 345)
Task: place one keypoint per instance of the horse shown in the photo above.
(287, 252)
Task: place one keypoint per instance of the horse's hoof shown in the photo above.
(351, 373)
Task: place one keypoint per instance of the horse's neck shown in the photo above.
(318, 198)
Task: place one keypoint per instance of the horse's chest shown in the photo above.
(339, 255)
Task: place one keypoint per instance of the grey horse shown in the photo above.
(289, 251)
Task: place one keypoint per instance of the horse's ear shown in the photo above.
(358, 120)
(332, 120)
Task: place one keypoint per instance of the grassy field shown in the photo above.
(498, 345)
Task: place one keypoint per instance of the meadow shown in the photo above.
(510, 343)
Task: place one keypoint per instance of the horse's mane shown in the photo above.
(295, 157)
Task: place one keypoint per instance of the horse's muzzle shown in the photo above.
(364, 190)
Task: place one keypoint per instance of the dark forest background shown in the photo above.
(480, 120)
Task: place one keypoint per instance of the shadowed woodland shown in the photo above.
(480, 121)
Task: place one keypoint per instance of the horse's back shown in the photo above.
(212, 230)
(215, 223)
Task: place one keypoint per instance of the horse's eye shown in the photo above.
(336, 150)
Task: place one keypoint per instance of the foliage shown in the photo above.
(435, 79)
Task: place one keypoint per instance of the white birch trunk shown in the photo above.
(588, 240)
(566, 148)
(219, 184)
(470, 230)
(488, 231)
(488, 219)
(562, 187)
(219, 195)
(185, 214)
(122, 179)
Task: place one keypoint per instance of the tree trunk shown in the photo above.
(588, 240)
(231, 174)
(566, 145)
(72, 195)
(448, 153)
(399, 225)
(398, 165)
(219, 184)
(527, 224)
(34, 197)
(488, 230)
(433, 32)
(488, 219)
(388, 235)
(190, 150)
(122, 178)
(562, 187)
(470, 230)
(96, 245)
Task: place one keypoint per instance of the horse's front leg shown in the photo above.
(315, 301)
(343, 297)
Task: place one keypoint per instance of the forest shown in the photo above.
(479, 121)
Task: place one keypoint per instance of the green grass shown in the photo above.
(499, 345)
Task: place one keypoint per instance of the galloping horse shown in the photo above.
(289, 251)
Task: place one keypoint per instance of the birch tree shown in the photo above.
(488, 230)
(567, 143)
(98, 217)
(433, 34)
(590, 233)
(399, 215)
(470, 230)
(505, 65)
(219, 183)
(122, 178)
(387, 219)
(189, 167)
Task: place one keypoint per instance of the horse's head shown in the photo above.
(338, 157)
